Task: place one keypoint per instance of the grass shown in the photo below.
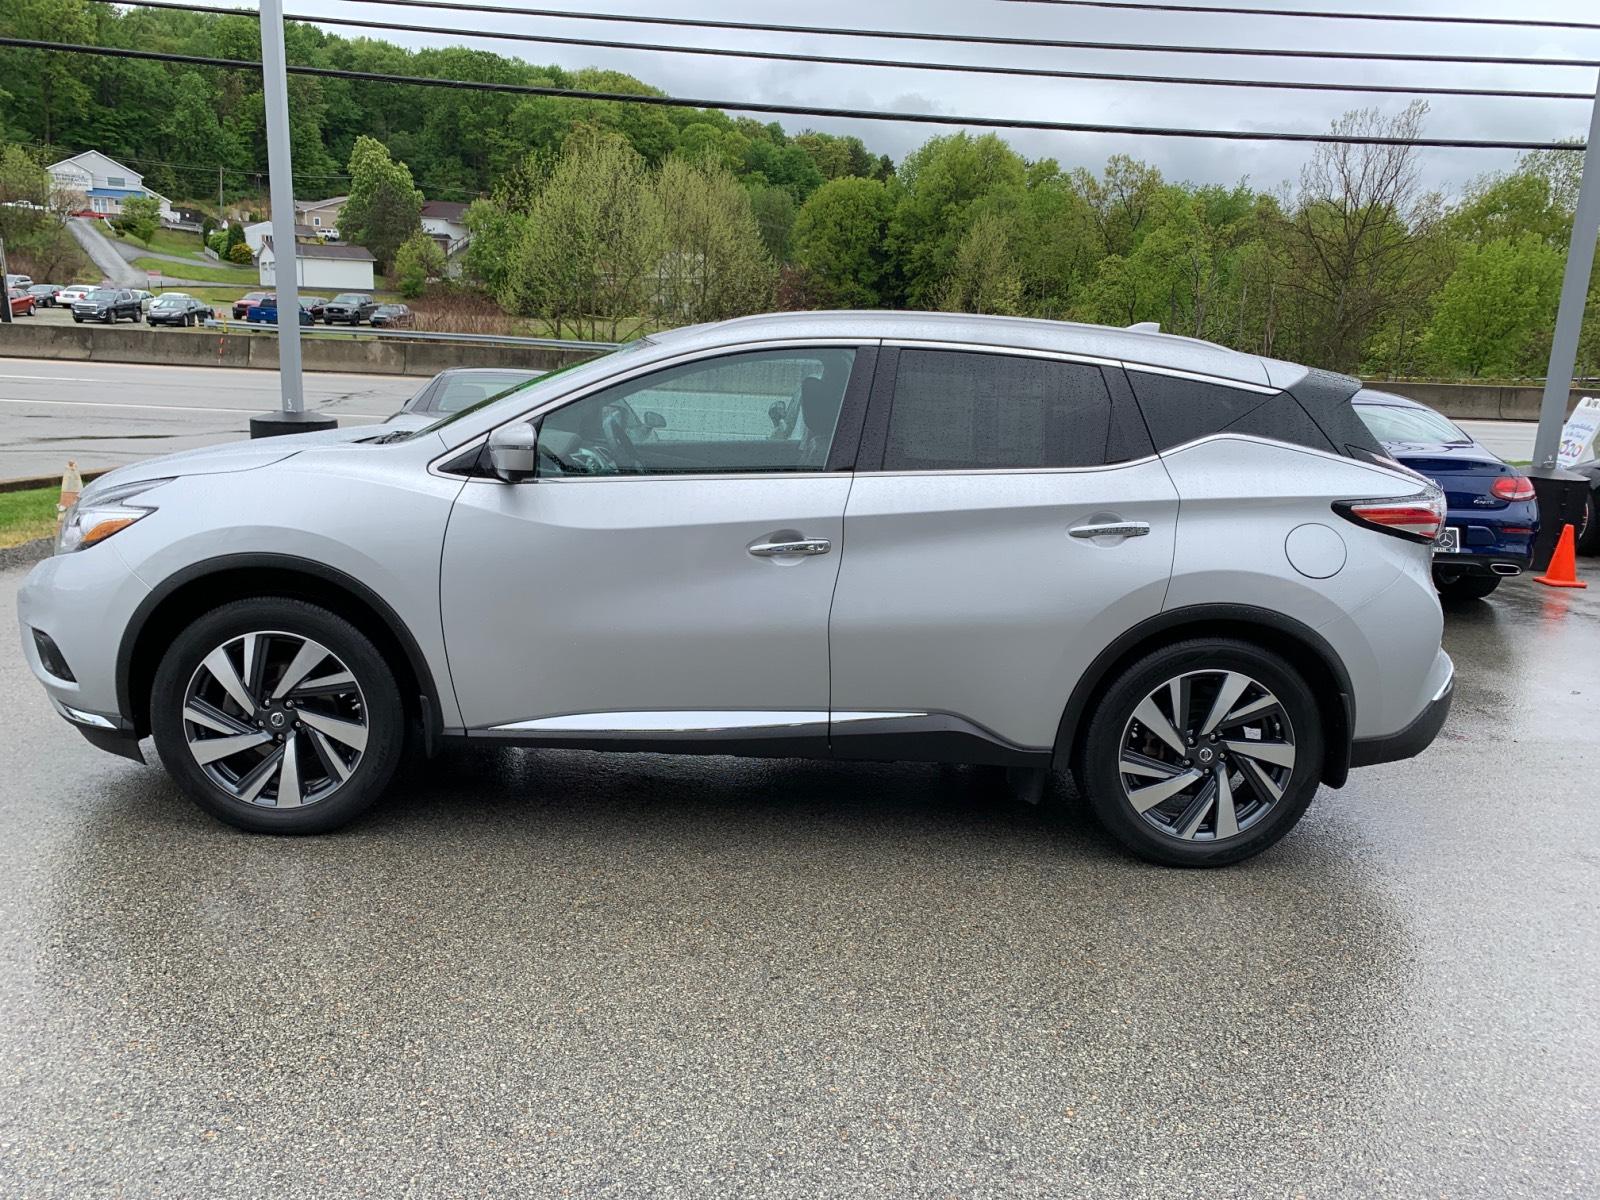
(167, 241)
(245, 277)
(27, 515)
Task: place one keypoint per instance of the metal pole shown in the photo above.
(5, 308)
(1574, 291)
(280, 176)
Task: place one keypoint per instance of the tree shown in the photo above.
(22, 182)
(415, 263)
(592, 243)
(141, 217)
(840, 243)
(713, 264)
(1496, 310)
(774, 210)
(985, 277)
(384, 208)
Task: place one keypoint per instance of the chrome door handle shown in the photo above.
(1111, 529)
(800, 546)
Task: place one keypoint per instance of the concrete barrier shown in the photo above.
(213, 348)
(1479, 401)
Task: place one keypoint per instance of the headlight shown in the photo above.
(96, 519)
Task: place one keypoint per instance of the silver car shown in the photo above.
(1186, 574)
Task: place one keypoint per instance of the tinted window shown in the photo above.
(769, 411)
(1181, 410)
(957, 410)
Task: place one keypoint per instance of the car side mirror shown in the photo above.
(513, 451)
(654, 420)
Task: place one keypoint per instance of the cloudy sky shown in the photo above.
(1265, 164)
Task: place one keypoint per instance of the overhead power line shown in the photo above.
(856, 114)
(837, 60)
(975, 39)
(1317, 14)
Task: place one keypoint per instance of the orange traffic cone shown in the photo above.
(1563, 568)
(71, 485)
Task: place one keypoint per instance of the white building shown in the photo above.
(445, 222)
(329, 265)
(257, 233)
(106, 183)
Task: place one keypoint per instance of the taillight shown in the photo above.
(1512, 487)
(1417, 518)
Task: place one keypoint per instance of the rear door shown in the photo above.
(1008, 520)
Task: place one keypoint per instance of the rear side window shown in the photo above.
(1180, 410)
(964, 410)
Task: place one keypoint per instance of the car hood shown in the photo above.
(411, 420)
(230, 456)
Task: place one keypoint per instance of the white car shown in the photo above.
(68, 296)
(1188, 574)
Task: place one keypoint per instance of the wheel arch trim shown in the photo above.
(289, 565)
(1223, 620)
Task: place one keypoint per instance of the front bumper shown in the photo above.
(1414, 738)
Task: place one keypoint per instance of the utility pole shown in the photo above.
(1562, 493)
(292, 418)
(219, 193)
(5, 309)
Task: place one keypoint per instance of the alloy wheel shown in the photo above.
(275, 719)
(1207, 755)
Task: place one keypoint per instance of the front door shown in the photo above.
(668, 571)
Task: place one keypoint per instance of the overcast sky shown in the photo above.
(1265, 164)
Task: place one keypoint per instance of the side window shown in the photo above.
(771, 410)
(959, 410)
(1181, 410)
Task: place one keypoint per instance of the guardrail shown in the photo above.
(416, 335)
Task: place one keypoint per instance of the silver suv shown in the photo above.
(1185, 573)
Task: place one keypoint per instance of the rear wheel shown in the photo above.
(1589, 526)
(1203, 753)
(277, 716)
(1457, 585)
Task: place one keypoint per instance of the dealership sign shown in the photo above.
(1579, 434)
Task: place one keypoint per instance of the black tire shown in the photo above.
(1454, 586)
(381, 708)
(1097, 764)
(76, 319)
(1588, 533)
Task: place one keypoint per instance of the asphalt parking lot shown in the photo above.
(556, 973)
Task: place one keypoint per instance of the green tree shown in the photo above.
(385, 207)
(1496, 310)
(985, 276)
(415, 263)
(22, 182)
(713, 264)
(141, 216)
(840, 243)
(592, 244)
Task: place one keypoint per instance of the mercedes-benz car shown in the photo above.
(1187, 575)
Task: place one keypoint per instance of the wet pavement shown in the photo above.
(562, 974)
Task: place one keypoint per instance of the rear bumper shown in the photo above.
(1484, 563)
(1414, 738)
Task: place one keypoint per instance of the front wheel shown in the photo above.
(1203, 753)
(277, 716)
(1456, 585)
(1589, 525)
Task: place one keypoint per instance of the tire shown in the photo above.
(343, 762)
(1185, 828)
(1464, 587)
(1588, 533)
(76, 319)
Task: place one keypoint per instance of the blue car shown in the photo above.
(265, 312)
(1493, 515)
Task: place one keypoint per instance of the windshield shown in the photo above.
(1390, 423)
(169, 301)
(348, 298)
(534, 385)
(102, 294)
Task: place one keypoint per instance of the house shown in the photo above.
(321, 215)
(259, 231)
(105, 182)
(445, 221)
(329, 265)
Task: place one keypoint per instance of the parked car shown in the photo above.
(72, 293)
(265, 312)
(44, 294)
(241, 306)
(349, 308)
(1493, 515)
(22, 302)
(314, 305)
(1588, 531)
(19, 281)
(1190, 574)
(144, 298)
(178, 308)
(452, 390)
(107, 305)
(391, 316)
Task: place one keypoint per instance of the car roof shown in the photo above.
(1023, 333)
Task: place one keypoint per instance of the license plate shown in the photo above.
(1449, 541)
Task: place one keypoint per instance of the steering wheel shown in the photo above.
(613, 427)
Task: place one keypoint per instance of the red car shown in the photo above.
(22, 304)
